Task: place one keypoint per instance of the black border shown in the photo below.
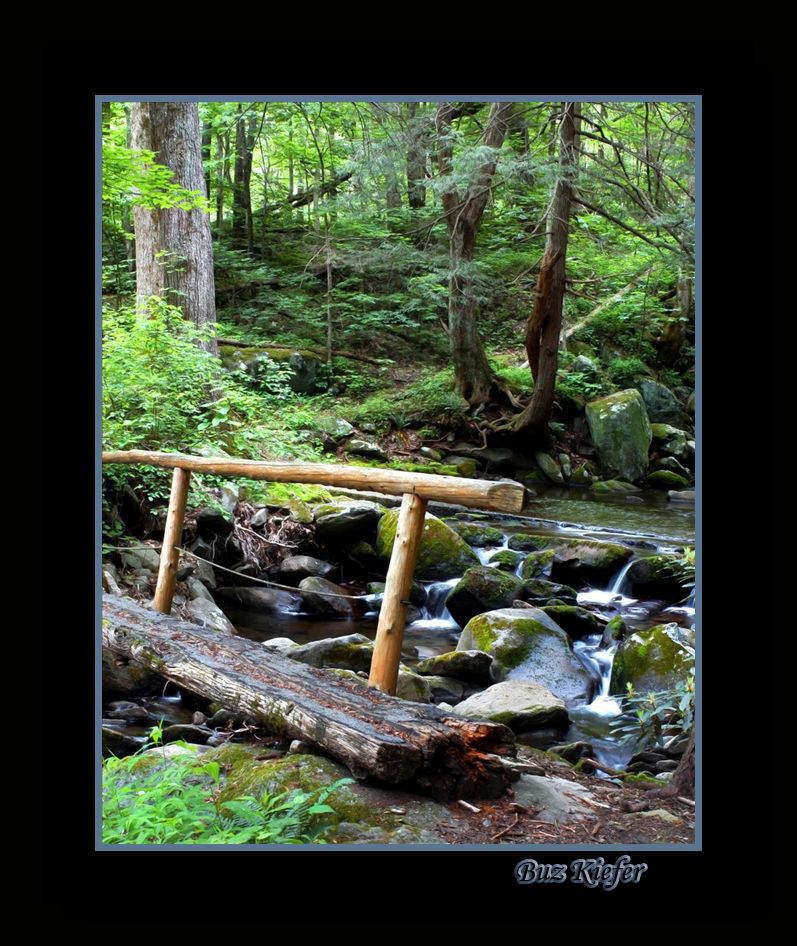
(380, 891)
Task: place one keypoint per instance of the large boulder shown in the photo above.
(442, 554)
(620, 430)
(661, 404)
(655, 659)
(482, 588)
(299, 368)
(519, 704)
(526, 644)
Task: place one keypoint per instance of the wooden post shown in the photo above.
(390, 630)
(172, 535)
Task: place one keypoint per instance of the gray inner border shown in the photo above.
(519, 848)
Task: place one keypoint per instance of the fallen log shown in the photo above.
(394, 741)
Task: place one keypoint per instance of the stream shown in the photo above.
(648, 525)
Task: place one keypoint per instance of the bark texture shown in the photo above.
(174, 256)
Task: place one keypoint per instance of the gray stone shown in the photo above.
(549, 467)
(527, 644)
(350, 652)
(519, 704)
(196, 589)
(661, 404)
(294, 568)
(334, 427)
(321, 597)
(367, 449)
(552, 799)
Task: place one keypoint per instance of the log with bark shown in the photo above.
(495, 495)
(394, 741)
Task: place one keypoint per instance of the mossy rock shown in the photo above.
(465, 466)
(354, 518)
(614, 631)
(582, 477)
(443, 554)
(621, 433)
(651, 660)
(537, 564)
(475, 535)
(506, 560)
(472, 666)
(549, 467)
(523, 542)
(526, 644)
(482, 588)
(666, 479)
(671, 440)
(542, 589)
(659, 576)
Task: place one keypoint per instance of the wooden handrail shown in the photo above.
(493, 495)
(416, 490)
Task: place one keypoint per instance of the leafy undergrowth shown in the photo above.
(177, 804)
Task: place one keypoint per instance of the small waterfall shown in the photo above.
(436, 594)
(617, 586)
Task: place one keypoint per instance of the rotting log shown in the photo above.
(394, 741)
(498, 496)
(390, 631)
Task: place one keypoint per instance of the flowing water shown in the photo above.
(647, 525)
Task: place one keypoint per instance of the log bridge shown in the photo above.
(375, 735)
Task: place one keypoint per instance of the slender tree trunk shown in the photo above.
(416, 159)
(219, 184)
(473, 376)
(130, 251)
(207, 134)
(174, 254)
(545, 322)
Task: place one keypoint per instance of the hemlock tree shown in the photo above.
(174, 256)
(464, 212)
(545, 321)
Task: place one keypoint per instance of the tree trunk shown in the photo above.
(464, 213)
(393, 740)
(416, 158)
(545, 322)
(174, 255)
(242, 198)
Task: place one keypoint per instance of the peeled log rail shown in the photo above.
(392, 740)
(498, 496)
